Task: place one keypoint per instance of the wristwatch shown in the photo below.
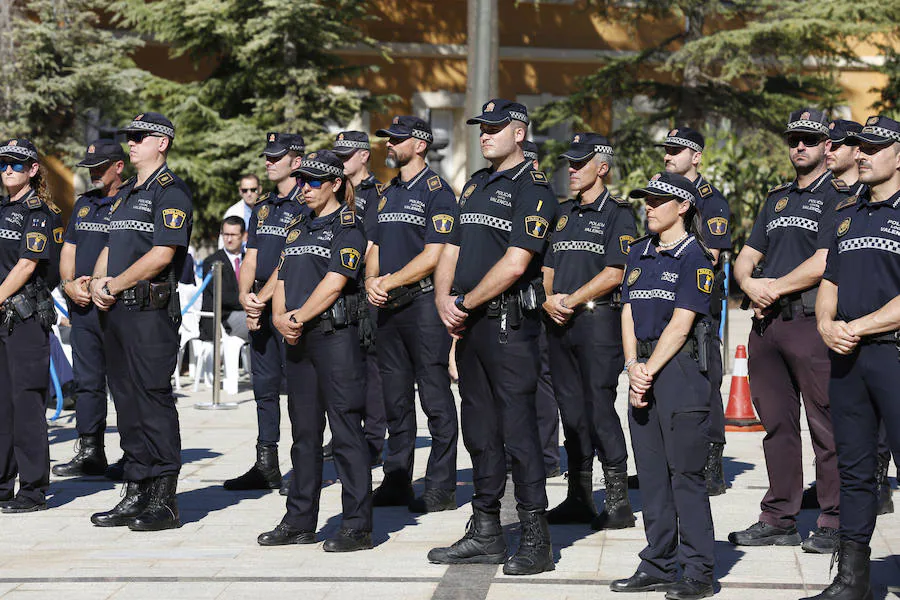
(459, 304)
(105, 289)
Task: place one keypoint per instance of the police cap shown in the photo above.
(684, 137)
(19, 149)
(100, 152)
(530, 150)
(808, 120)
(586, 145)
(405, 126)
(348, 142)
(279, 144)
(321, 164)
(667, 184)
(878, 130)
(839, 129)
(499, 111)
(150, 122)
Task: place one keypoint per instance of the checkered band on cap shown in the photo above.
(820, 127)
(530, 155)
(19, 151)
(601, 149)
(154, 127)
(680, 141)
(518, 116)
(882, 132)
(422, 135)
(353, 144)
(669, 189)
(320, 166)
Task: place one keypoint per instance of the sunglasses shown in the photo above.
(138, 136)
(313, 183)
(18, 167)
(808, 140)
(249, 190)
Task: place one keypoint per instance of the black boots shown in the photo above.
(483, 543)
(395, 490)
(284, 534)
(433, 500)
(162, 510)
(535, 553)
(617, 512)
(137, 496)
(264, 475)
(885, 501)
(715, 476)
(852, 581)
(348, 540)
(89, 459)
(578, 507)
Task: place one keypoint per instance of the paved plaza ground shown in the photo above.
(59, 554)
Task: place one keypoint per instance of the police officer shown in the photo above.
(30, 238)
(85, 237)
(489, 293)
(417, 214)
(545, 402)
(353, 148)
(789, 241)
(315, 307)
(859, 322)
(684, 151)
(265, 240)
(582, 271)
(666, 298)
(135, 283)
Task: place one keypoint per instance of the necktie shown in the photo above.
(237, 266)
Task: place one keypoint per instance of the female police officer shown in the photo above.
(30, 238)
(315, 308)
(666, 294)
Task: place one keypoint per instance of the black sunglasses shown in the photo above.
(138, 136)
(249, 190)
(809, 141)
(18, 167)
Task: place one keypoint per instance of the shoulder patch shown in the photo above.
(640, 239)
(779, 187)
(54, 208)
(625, 242)
(380, 187)
(263, 198)
(34, 202)
(539, 177)
(705, 279)
(620, 201)
(717, 225)
(705, 190)
(350, 258)
(58, 235)
(173, 218)
(297, 220)
(165, 179)
(840, 186)
(434, 183)
(348, 219)
(35, 242)
(846, 202)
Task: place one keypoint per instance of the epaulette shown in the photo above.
(165, 179)
(846, 202)
(348, 219)
(620, 201)
(54, 208)
(539, 177)
(296, 221)
(705, 190)
(434, 183)
(380, 187)
(646, 236)
(840, 186)
(779, 187)
(34, 202)
(262, 198)
(128, 181)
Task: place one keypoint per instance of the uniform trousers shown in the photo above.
(547, 407)
(788, 360)
(376, 421)
(141, 352)
(863, 389)
(497, 383)
(267, 372)
(714, 373)
(669, 439)
(325, 374)
(89, 365)
(414, 348)
(24, 382)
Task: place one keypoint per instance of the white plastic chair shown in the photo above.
(232, 349)
(188, 332)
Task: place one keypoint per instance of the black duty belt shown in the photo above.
(888, 337)
(343, 313)
(690, 347)
(147, 295)
(405, 294)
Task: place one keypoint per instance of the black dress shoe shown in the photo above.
(763, 534)
(641, 582)
(689, 589)
(284, 535)
(22, 505)
(349, 540)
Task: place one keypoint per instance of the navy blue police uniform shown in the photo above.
(413, 344)
(669, 437)
(141, 328)
(325, 371)
(29, 229)
(268, 229)
(787, 357)
(586, 353)
(367, 193)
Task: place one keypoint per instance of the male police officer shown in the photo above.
(787, 357)
(417, 214)
(265, 241)
(858, 312)
(493, 267)
(684, 151)
(353, 148)
(582, 271)
(85, 237)
(135, 281)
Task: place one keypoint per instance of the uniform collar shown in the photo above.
(96, 197)
(597, 205)
(368, 182)
(865, 199)
(511, 174)
(150, 180)
(326, 221)
(815, 185)
(699, 181)
(409, 184)
(292, 195)
(28, 194)
(676, 252)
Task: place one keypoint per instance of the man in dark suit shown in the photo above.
(234, 319)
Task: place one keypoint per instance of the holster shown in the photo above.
(343, 313)
(756, 274)
(405, 294)
(34, 299)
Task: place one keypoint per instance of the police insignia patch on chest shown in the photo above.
(781, 204)
(442, 223)
(262, 214)
(633, 276)
(35, 242)
(844, 227)
(293, 236)
(58, 235)
(561, 224)
(536, 226)
(381, 203)
(350, 258)
(434, 183)
(705, 280)
(625, 243)
(83, 211)
(174, 218)
(718, 225)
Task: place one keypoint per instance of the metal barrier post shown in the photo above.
(216, 404)
(726, 320)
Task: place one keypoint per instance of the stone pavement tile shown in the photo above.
(257, 591)
(382, 591)
(772, 565)
(7, 587)
(758, 593)
(155, 591)
(68, 590)
(522, 590)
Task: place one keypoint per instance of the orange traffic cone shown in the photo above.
(739, 415)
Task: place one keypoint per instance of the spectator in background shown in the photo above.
(248, 187)
(234, 319)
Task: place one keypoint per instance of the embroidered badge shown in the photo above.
(35, 242)
(83, 211)
(434, 183)
(844, 227)
(442, 223)
(633, 276)
(781, 204)
(717, 225)
(625, 243)
(705, 280)
(293, 236)
(561, 224)
(174, 218)
(350, 258)
(262, 214)
(58, 235)
(536, 226)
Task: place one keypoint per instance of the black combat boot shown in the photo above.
(578, 507)
(137, 496)
(852, 581)
(264, 475)
(885, 501)
(535, 553)
(617, 513)
(482, 544)
(348, 540)
(162, 510)
(395, 490)
(715, 476)
(116, 471)
(89, 459)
